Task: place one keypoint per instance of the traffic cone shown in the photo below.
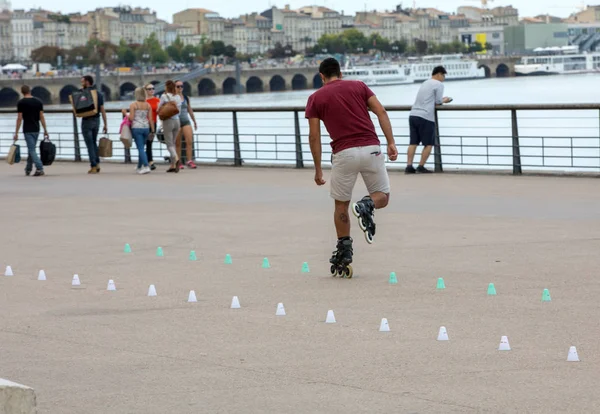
(111, 285)
(441, 284)
(546, 296)
(75, 281)
(266, 264)
(305, 268)
(384, 326)
(280, 310)
(491, 290)
(330, 317)
(159, 252)
(235, 303)
(152, 290)
(443, 334)
(192, 296)
(504, 345)
(8, 271)
(393, 278)
(193, 256)
(228, 259)
(127, 248)
(42, 275)
(572, 357)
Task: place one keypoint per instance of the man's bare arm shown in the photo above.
(314, 139)
(43, 121)
(19, 120)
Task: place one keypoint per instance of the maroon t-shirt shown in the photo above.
(342, 106)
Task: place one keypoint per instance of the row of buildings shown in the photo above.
(23, 31)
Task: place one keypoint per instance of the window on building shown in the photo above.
(495, 35)
(560, 35)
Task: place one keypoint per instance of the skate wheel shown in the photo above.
(348, 272)
(369, 237)
(333, 270)
(355, 210)
(362, 224)
(340, 272)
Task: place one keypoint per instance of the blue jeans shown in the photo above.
(89, 130)
(140, 135)
(31, 139)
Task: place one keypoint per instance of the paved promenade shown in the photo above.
(88, 350)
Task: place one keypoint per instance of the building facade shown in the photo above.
(493, 35)
(524, 38)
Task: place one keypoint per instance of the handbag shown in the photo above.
(105, 148)
(168, 110)
(47, 152)
(84, 102)
(14, 154)
(125, 131)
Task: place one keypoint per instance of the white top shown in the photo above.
(430, 94)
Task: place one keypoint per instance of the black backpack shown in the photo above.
(47, 151)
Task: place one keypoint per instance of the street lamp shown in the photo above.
(192, 56)
(79, 59)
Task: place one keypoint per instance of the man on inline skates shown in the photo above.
(343, 106)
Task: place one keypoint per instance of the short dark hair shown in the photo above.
(25, 89)
(330, 68)
(439, 69)
(89, 79)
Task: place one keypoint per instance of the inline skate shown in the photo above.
(341, 259)
(364, 210)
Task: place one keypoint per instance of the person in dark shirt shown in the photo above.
(90, 126)
(343, 106)
(30, 113)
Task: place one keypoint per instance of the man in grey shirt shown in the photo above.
(422, 119)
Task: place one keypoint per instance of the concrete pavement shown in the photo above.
(86, 350)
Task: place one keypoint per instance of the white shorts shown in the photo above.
(346, 164)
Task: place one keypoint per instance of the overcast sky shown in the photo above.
(233, 8)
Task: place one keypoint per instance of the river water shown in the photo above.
(570, 139)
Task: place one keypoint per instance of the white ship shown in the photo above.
(558, 61)
(458, 68)
(379, 74)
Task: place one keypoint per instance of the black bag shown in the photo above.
(85, 102)
(47, 151)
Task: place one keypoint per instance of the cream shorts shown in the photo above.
(345, 166)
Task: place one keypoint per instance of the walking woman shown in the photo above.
(153, 101)
(186, 128)
(142, 124)
(171, 124)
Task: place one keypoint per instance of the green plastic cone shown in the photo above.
(159, 252)
(491, 289)
(228, 259)
(193, 255)
(266, 264)
(546, 296)
(127, 248)
(393, 278)
(305, 268)
(441, 284)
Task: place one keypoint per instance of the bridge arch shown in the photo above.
(8, 97)
(229, 86)
(299, 82)
(126, 87)
(207, 87)
(277, 84)
(488, 71)
(502, 71)
(317, 81)
(254, 84)
(42, 94)
(106, 93)
(65, 92)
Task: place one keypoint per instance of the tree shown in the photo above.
(47, 54)
(399, 46)
(475, 47)
(190, 53)
(488, 47)
(218, 48)
(80, 51)
(420, 46)
(281, 52)
(126, 54)
(229, 51)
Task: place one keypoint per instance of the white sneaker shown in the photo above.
(144, 170)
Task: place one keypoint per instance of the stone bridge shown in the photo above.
(57, 90)
(498, 66)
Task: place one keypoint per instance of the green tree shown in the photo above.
(229, 51)
(47, 54)
(376, 41)
(190, 54)
(82, 51)
(218, 48)
(126, 54)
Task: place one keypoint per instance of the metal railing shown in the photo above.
(515, 138)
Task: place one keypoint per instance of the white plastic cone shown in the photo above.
(192, 296)
(385, 326)
(152, 290)
(111, 285)
(76, 281)
(504, 345)
(330, 317)
(280, 310)
(8, 271)
(443, 334)
(42, 275)
(573, 357)
(235, 303)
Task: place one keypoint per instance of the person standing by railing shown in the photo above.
(140, 115)
(171, 125)
(153, 102)
(422, 119)
(91, 125)
(185, 130)
(343, 106)
(31, 112)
